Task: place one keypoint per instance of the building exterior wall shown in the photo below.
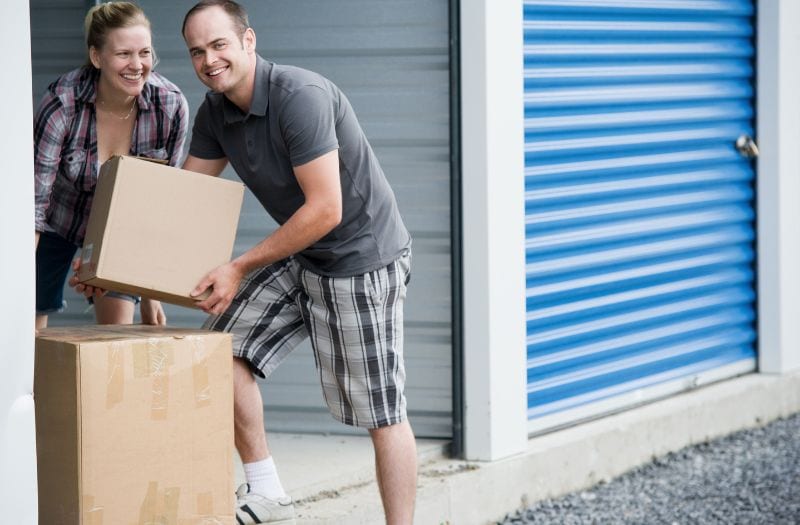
(493, 203)
(493, 229)
(778, 185)
(492, 191)
(17, 438)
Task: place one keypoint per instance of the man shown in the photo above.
(335, 270)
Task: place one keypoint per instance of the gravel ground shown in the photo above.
(750, 477)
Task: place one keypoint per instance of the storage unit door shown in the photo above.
(392, 60)
(639, 208)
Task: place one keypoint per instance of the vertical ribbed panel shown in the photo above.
(392, 60)
(639, 210)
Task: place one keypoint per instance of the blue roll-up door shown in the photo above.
(639, 209)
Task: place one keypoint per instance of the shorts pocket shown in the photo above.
(376, 282)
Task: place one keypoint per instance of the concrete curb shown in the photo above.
(463, 493)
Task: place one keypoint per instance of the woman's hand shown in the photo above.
(85, 289)
(152, 312)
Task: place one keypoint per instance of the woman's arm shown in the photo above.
(50, 131)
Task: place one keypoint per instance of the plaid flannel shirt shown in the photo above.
(65, 144)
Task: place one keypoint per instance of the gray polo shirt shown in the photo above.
(296, 116)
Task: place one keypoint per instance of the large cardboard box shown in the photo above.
(156, 231)
(134, 425)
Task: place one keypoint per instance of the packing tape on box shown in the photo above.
(152, 359)
(93, 514)
(159, 506)
(202, 387)
(115, 380)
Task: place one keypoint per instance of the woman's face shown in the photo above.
(125, 60)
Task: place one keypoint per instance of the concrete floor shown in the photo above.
(331, 477)
(328, 474)
(312, 466)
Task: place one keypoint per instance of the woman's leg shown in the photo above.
(53, 259)
(41, 321)
(113, 310)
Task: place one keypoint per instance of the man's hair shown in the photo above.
(236, 12)
(103, 18)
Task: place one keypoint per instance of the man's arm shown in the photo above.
(321, 213)
(205, 166)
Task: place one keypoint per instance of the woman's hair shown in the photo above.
(105, 17)
(236, 12)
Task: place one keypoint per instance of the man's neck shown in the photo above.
(242, 95)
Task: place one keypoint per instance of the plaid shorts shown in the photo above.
(356, 330)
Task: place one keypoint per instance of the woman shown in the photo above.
(114, 105)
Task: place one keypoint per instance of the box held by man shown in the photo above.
(156, 231)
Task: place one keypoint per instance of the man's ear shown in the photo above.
(94, 57)
(249, 40)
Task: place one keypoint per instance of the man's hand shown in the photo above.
(85, 289)
(152, 312)
(224, 283)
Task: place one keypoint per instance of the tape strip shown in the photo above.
(160, 507)
(147, 511)
(172, 496)
(202, 387)
(115, 379)
(92, 514)
(141, 360)
(160, 357)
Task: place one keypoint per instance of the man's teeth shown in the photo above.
(216, 72)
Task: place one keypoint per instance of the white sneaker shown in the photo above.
(254, 508)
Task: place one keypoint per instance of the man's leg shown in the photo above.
(249, 435)
(396, 468)
(248, 415)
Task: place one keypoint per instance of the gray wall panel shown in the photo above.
(391, 59)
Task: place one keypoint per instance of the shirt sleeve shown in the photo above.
(204, 143)
(179, 128)
(49, 133)
(308, 124)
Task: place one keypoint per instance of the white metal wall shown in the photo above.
(17, 438)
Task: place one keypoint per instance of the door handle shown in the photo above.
(746, 146)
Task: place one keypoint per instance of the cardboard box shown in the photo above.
(156, 231)
(134, 424)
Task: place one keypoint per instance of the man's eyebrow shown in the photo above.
(199, 48)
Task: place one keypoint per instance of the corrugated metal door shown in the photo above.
(392, 60)
(639, 209)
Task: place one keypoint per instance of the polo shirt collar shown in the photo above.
(260, 101)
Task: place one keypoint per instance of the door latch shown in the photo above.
(746, 146)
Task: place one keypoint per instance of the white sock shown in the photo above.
(262, 476)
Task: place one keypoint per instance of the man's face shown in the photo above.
(220, 56)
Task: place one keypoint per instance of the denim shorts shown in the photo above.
(53, 262)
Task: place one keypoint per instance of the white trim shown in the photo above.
(17, 434)
(779, 185)
(638, 396)
(492, 111)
